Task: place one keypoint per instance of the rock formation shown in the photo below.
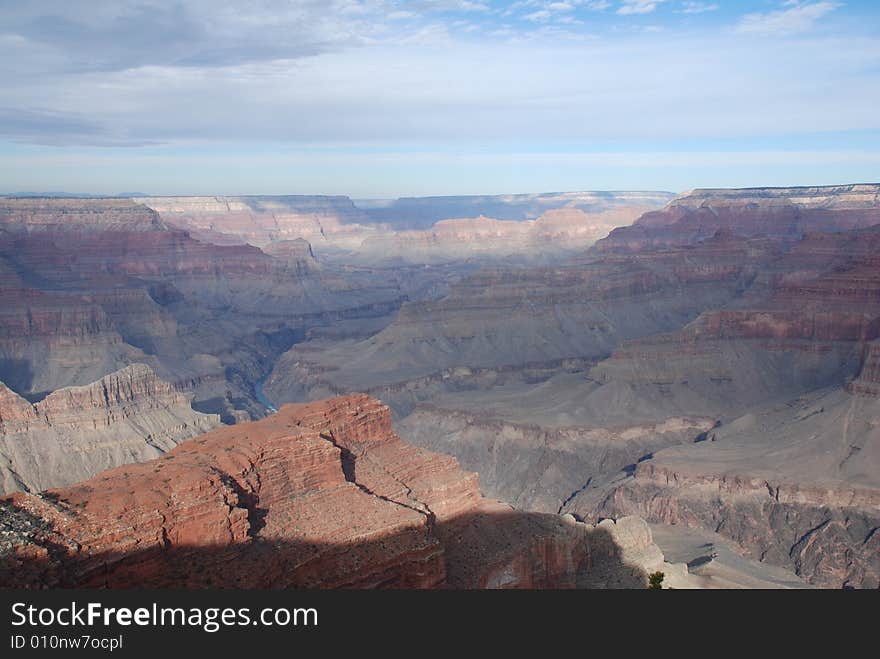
(783, 213)
(75, 432)
(794, 486)
(89, 286)
(524, 318)
(319, 495)
(428, 230)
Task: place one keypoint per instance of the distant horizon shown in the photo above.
(59, 194)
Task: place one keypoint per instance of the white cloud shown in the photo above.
(639, 6)
(799, 17)
(698, 7)
(424, 80)
(539, 16)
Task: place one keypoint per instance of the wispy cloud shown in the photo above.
(107, 71)
(796, 17)
(698, 7)
(639, 6)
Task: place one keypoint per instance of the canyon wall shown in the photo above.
(782, 213)
(517, 317)
(90, 286)
(795, 487)
(423, 230)
(75, 432)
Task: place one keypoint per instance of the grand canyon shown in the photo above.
(560, 390)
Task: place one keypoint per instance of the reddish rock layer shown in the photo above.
(783, 213)
(318, 495)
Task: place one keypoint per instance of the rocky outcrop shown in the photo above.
(318, 495)
(76, 432)
(263, 220)
(297, 254)
(546, 239)
(826, 536)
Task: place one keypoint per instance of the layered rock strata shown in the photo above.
(75, 432)
(783, 213)
(318, 496)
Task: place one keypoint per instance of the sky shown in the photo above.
(386, 98)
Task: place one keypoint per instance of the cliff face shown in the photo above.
(792, 479)
(429, 230)
(75, 432)
(532, 466)
(319, 495)
(263, 220)
(868, 381)
(555, 234)
(824, 533)
(783, 213)
(506, 317)
(89, 286)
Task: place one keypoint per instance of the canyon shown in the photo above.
(619, 375)
(568, 388)
(90, 287)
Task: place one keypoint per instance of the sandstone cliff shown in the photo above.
(867, 383)
(408, 213)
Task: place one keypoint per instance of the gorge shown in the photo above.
(620, 376)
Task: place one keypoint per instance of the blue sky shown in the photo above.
(386, 98)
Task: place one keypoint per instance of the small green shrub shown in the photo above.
(655, 581)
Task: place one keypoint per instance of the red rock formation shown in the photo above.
(318, 495)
